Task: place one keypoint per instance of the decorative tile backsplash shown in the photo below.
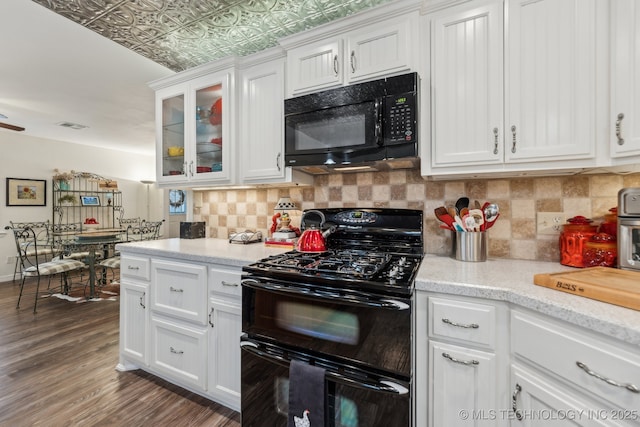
(513, 236)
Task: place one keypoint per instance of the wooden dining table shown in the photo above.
(90, 244)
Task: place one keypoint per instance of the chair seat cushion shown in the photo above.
(53, 267)
(113, 262)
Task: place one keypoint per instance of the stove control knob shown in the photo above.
(394, 272)
(403, 260)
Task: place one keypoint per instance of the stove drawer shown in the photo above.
(462, 321)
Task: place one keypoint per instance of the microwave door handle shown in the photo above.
(378, 127)
(384, 386)
(386, 303)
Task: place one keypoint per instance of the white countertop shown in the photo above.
(512, 281)
(496, 279)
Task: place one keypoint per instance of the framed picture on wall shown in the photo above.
(26, 192)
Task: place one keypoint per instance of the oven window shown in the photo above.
(326, 323)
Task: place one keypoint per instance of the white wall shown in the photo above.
(22, 156)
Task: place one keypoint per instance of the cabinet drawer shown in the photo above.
(472, 323)
(569, 353)
(179, 289)
(134, 267)
(179, 351)
(225, 281)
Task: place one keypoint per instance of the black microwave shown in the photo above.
(355, 124)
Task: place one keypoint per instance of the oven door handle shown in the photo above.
(390, 304)
(383, 386)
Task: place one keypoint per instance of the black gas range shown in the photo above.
(347, 310)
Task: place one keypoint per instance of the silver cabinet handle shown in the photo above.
(461, 325)
(352, 60)
(514, 402)
(619, 129)
(174, 351)
(462, 362)
(132, 267)
(210, 314)
(513, 132)
(191, 168)
(142, 300)
(172, 289)
(495, 140)
(229, 284)
(278, 161)
(628, 386)
(335, 64)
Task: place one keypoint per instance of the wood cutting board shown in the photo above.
(619, 287)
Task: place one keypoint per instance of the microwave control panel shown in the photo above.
(400, 118)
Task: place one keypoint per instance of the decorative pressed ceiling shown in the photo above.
(181, 34)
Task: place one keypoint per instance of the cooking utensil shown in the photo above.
(462, 202)
(478, 219)
(452, 211)
(489, 224)
(491, 212)
(464, 212)
(443, 215)
(459, 225)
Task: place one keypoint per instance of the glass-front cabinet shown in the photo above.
(193, 131)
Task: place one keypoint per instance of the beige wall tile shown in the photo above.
(523, 208)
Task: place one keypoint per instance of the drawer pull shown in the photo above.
(628, 386)
(174, 351)
(133, 267)
(172, 289)
(229, 284)
(514, 402)
(462, 362)
(210, 321)
(461, 325)
(142, 300)
(619, 130)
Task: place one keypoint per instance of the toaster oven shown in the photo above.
(629, 229)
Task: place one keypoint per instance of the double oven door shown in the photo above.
(363, 341)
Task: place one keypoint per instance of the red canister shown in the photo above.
(573, 237)
(601, 250)
(610, 223)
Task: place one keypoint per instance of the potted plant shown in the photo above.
(63, 178)
(67, 199)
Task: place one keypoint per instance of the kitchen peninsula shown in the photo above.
(522, 335)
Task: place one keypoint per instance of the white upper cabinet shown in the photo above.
(625, 79)
(194, 127)
(513, 87)
(261, 135)
(354, 49)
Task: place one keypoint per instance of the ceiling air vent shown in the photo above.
(72, 125)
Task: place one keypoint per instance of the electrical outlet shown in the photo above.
(550, 222)
(11, 259)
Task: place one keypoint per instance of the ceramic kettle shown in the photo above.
(313, 238)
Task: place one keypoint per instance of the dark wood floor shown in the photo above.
(57, 368)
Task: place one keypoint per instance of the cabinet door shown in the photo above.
(134, 323)
(170, 133)
(462, 378)
(625, 78)
(380, 50)
(209, 133)
(550, 80)
(315, 67)
(225, 321)
(467, 96)
(261, 133)
(537, 402)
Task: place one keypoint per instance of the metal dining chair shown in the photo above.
(45, 243)
(36, 265)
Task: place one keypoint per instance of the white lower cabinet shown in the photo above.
(224, 352)
(182, 321)
(461, 367)
(134, 303)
